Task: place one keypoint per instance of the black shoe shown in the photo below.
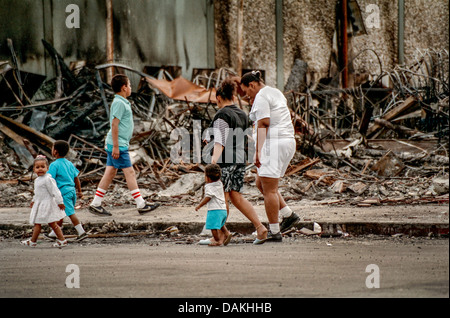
(148, 207)
(274, 237)
(99, 210)
(289, 222)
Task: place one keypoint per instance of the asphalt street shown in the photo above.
(305, 267)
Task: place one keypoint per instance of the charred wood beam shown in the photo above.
(41, 140)
(64, 131)
(397, 128)
(375, 130)
(46, 103)
(73, 81)
(16, 66)
(365, 120)
(12, 91)
(76, 94)
(102, 92)
(337, 91)
(59, 81)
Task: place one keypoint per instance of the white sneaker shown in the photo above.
(204, 242)
(205, 232)
(50, 237)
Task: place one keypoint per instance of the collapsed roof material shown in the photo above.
(183, 90)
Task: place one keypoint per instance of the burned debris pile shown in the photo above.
(384, 141)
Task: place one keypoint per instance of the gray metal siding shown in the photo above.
(146, 32)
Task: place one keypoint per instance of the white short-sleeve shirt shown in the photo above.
(214, 190)
(271, 103)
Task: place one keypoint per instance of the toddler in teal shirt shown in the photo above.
(66, 176)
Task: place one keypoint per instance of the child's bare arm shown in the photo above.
(202, 203)
(78, 187)
(115, 138)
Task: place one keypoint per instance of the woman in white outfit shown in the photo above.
(275, 147)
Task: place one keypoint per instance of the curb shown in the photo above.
(329, 229)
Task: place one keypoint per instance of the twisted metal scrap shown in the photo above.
(427, 78)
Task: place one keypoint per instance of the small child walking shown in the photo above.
(217, 209)
(66, 177)
(47, 206)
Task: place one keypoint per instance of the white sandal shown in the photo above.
(60, 244)
(28, 243)
(258, 241)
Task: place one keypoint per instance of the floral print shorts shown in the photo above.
(233, 178)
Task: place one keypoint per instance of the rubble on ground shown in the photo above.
(368, 145)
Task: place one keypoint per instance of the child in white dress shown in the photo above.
(47, 206)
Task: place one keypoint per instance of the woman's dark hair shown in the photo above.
(226, 90)
(62, 147)
(118, 81)
(213, 172)
(254, 76)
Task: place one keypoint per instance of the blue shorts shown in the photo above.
(215, 219)
(123, 162)
(70, 198)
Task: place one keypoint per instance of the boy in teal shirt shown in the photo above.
(121, 111)
(66, 177)
(116, 145)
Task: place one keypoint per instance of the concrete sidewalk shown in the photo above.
(414, 220)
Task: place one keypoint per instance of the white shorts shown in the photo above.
(276, 156)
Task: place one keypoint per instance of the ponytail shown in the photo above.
(253, 76)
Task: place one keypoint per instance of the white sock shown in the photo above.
(99, 194)
(79, 229)
(286, 212)
(274, 228)
(136, 194)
